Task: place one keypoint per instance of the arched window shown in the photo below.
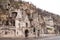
(14, 14)
(34, 29)
(8, 4)
(26, 24)
(13, 22)
(6, 33)
(7, 22)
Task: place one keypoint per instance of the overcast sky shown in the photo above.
(49, 5)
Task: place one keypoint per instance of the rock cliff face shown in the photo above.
(22, 19)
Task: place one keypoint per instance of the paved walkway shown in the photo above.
(49, 38)
(40, 38)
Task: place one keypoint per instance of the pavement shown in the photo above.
(39, 38)
(51, 38)
(46, 38)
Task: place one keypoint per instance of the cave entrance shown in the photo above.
(26, 32)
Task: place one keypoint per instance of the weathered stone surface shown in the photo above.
(25, 20)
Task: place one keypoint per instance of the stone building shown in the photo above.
(21, 19)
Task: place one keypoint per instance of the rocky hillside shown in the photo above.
(35, 15)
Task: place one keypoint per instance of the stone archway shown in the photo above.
(26, 32)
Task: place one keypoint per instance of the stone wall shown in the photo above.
(25, 20)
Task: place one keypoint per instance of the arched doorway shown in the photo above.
(26, 32)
